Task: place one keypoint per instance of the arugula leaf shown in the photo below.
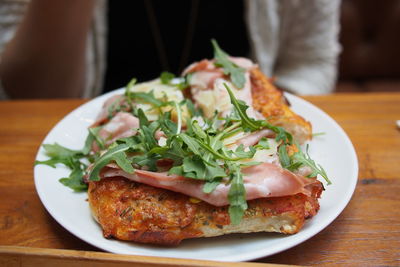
(131, 141)
(178, 170)
(237, 197)
(150, 161)
(216, 153)
(194, 112)
(286, 137)
(59, 154)
(122, 161)
(251, 124)
(116, 106)
(128, 87)
(176, 151)
(53, 161)
(143, 121)
(184, 81)
(250, 163)
(202, 171)
(181, 83)
(106, 158)
(194, 167)
(241, 153)
(263, 143)
(235, 72)
(241, 107)
(210, 186)
(191, 143)
(167, 125)
(148, 98)
(179, 117)
(90, 139)
(93, 136)
(304, 159)
(147, 133)
(71, 159)
(74, 180)
(283, 156)
(57, 151)
(166, 77)
(197, 130)
(318, 134)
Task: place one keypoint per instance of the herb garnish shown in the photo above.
(72, 159)
(300, 158)
(236, 73)
(181, 83)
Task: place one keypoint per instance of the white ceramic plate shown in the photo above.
(333, 150)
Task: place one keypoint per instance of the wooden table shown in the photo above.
(366, 233)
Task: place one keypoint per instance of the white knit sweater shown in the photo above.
(296, 42)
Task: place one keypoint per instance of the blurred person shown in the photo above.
(47, 48)
(57, 48)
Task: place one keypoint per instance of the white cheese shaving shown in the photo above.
(161, 91)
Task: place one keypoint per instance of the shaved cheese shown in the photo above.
(160, 91)
(234, 138)
(266, 155)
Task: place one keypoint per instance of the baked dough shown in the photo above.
(132, 211)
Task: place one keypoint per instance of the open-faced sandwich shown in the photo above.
(212, 152)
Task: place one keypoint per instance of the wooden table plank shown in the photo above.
(34, 257)
(366, 233)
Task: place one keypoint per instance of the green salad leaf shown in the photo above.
(236, 73)
(114, 153)
(237, 196)
(303, 159)
(181, 83)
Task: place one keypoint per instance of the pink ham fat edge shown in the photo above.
(260, 181)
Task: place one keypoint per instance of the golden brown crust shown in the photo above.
(128, 210)
(272, 104)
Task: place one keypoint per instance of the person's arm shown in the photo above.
(46, 57)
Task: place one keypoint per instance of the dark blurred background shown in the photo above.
(370, 38)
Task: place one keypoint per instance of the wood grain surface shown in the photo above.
(367, 233)
(12, 256)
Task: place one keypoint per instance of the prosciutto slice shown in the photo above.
(103, 116)
(122, 125)
(263, 180)
(209, 92)
(254, 138)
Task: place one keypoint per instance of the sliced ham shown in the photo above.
(209, 65)
(242, 62)
(254, 138)
(204, 80)
(122, 125)
(203, 65)
(104, 115)
(209, 92)
(263, 180)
